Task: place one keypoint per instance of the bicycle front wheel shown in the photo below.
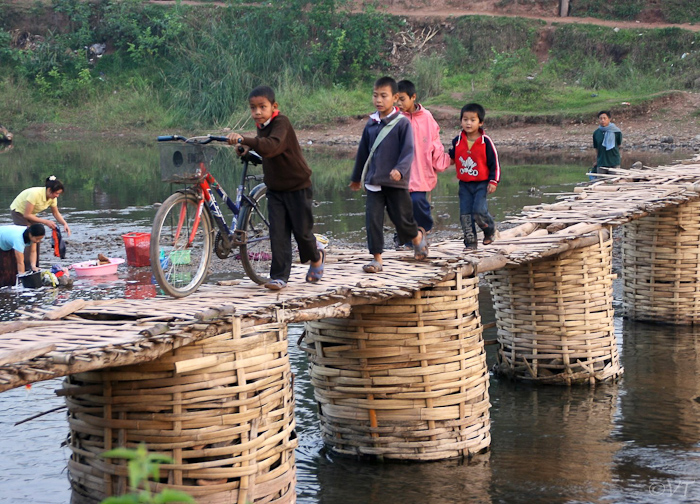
(181, 245)
(256, 254)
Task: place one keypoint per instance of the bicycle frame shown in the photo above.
(206, 187)
(209, 184)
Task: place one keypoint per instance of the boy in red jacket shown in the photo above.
(478, 171)
(429, 156)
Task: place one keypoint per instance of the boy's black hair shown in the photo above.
(54, 184)
(606, 112)
(408, 87)
(473, 107)
(386, 82)
(264, 92)
(35, 229)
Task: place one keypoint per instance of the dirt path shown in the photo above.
(444, 12)
(442, 9)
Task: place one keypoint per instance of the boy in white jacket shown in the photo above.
(429, 156)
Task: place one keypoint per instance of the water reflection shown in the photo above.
(567, 448)
(661, 408)
(669, 408)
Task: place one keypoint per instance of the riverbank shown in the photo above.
(666, 123)
(541, 81)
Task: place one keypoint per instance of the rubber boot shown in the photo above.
(468, 230)
(488, 226)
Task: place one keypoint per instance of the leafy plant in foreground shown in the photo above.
(141, 466)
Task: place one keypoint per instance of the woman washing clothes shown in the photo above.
(16, 242)
(30, 202)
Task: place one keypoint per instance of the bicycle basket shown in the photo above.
(180, 162)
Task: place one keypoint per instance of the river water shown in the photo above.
(634, 441)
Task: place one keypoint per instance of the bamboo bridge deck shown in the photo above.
(88, 335)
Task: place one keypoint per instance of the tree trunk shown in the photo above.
(563, 8)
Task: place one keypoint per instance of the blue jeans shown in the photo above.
(472, 201)
(421, 210)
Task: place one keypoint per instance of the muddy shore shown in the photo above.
(667, 123)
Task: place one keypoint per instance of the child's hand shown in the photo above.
(242, 150)
(355, 186)
(491, 188)
(233, 138)
(395, 175)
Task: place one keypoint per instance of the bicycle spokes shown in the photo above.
(181, 244)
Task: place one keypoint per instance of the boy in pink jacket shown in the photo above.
(429, 156)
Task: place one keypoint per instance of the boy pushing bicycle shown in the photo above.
(289, 193)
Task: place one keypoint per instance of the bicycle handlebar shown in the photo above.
(251, 156)
(170, 138)
(197, 139)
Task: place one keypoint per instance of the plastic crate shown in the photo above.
(138, 249)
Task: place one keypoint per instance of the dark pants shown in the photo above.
(19, 220)
(421, 210)
(290, 212)
(472, 201)
(400, 209)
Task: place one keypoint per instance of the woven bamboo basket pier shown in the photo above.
(555, 317)
(404, 379)
(661, 266)
(222, 408)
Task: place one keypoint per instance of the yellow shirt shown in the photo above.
(35, 196)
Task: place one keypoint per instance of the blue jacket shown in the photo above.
(395, 151)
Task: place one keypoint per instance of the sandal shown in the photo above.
(275, 284)
(315, 273)
(373, 267)
(488, 240)
(420, 251)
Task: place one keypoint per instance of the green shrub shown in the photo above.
(429, 72)
(605, 9)
(682, 11)
(141, 29)
(77, 32)
(143, 466)
(218, 60)
(474, 39)
(587, 52)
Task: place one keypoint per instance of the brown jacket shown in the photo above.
(284, 166)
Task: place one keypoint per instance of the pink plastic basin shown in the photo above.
(91, 268)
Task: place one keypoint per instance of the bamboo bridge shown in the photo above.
(396, 358)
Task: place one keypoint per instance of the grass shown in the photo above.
(198, 82)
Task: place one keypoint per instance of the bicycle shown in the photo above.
(182, 237)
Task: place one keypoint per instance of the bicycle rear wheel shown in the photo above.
(256, 254)
(180, 255)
